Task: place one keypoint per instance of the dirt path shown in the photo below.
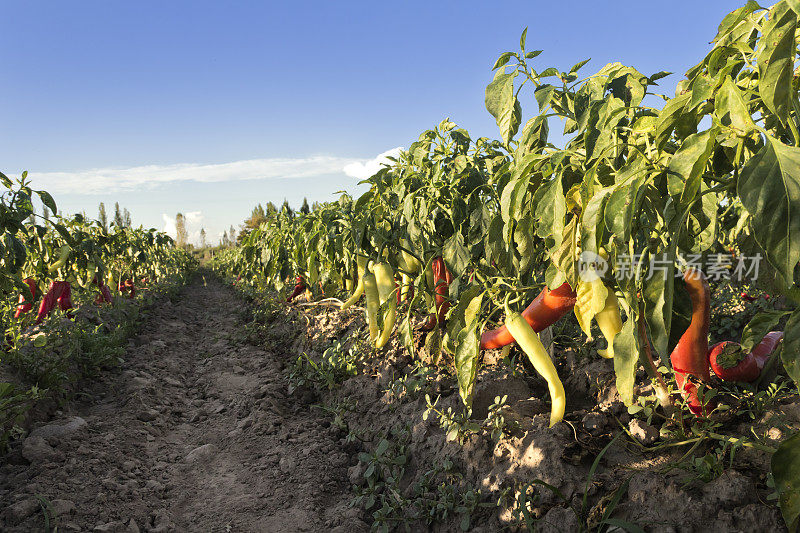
(195, 432)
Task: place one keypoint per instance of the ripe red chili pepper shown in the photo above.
(26, 304)
(59, 292)
(544, 311)
(441, 281)
(690, 356)
(299, 286)
(747, 297)
(127, 286)
(104, 296)
(730, 363)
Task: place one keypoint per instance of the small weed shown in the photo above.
(334, 366)
(459, 426)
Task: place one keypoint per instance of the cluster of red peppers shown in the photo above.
(127, 286)
(60, 294)
(692, 359)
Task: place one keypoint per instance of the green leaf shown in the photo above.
(577, 66)
(592, 225)
(734, 18)
(730, 109)
(687, 165)
(549, 205)
(522, 39)
(776, 60)
(565, 257)
(657, 295)
(511, 197)
(502, 60)
(624, 203)
(785, 466)
(791, 347)
(658, 75)
(669, 116)
(590, 301)
(47, 200)
(626, 359)
(769, 187)
(468, 342)
(760, 325)
(456, 255)
(503, 105)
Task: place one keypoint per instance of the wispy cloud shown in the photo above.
(109, 180)
(364, 169)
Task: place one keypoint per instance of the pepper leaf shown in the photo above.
(769, 187)
(785, 466)
(590, 301)
(503, 105)
(791, 347)
(626, 359)
(760, 325)
(776, 60)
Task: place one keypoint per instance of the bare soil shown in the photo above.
(195, 432)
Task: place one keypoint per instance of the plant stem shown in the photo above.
(650, 366)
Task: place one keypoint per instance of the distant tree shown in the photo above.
(271, 210)
(118, 222)
(286, 208)
(225, 241)
(315, 206)
(126, 218)
(102, 216)
(202, 237)
(181, 235)
(304, 208)
(257, 217)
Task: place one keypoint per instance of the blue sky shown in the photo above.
(212, 107)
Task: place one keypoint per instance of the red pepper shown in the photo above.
(544, 311)
(26, 304)
(299, 286)
(104, 296)
(127, 286)
(59, 292)
(730, 363)
(690, 356)
(747, 297)
(441, 280)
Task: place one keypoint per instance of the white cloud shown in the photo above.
(112, 180)
(364, 169)
(108, 180)
(194, 223)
